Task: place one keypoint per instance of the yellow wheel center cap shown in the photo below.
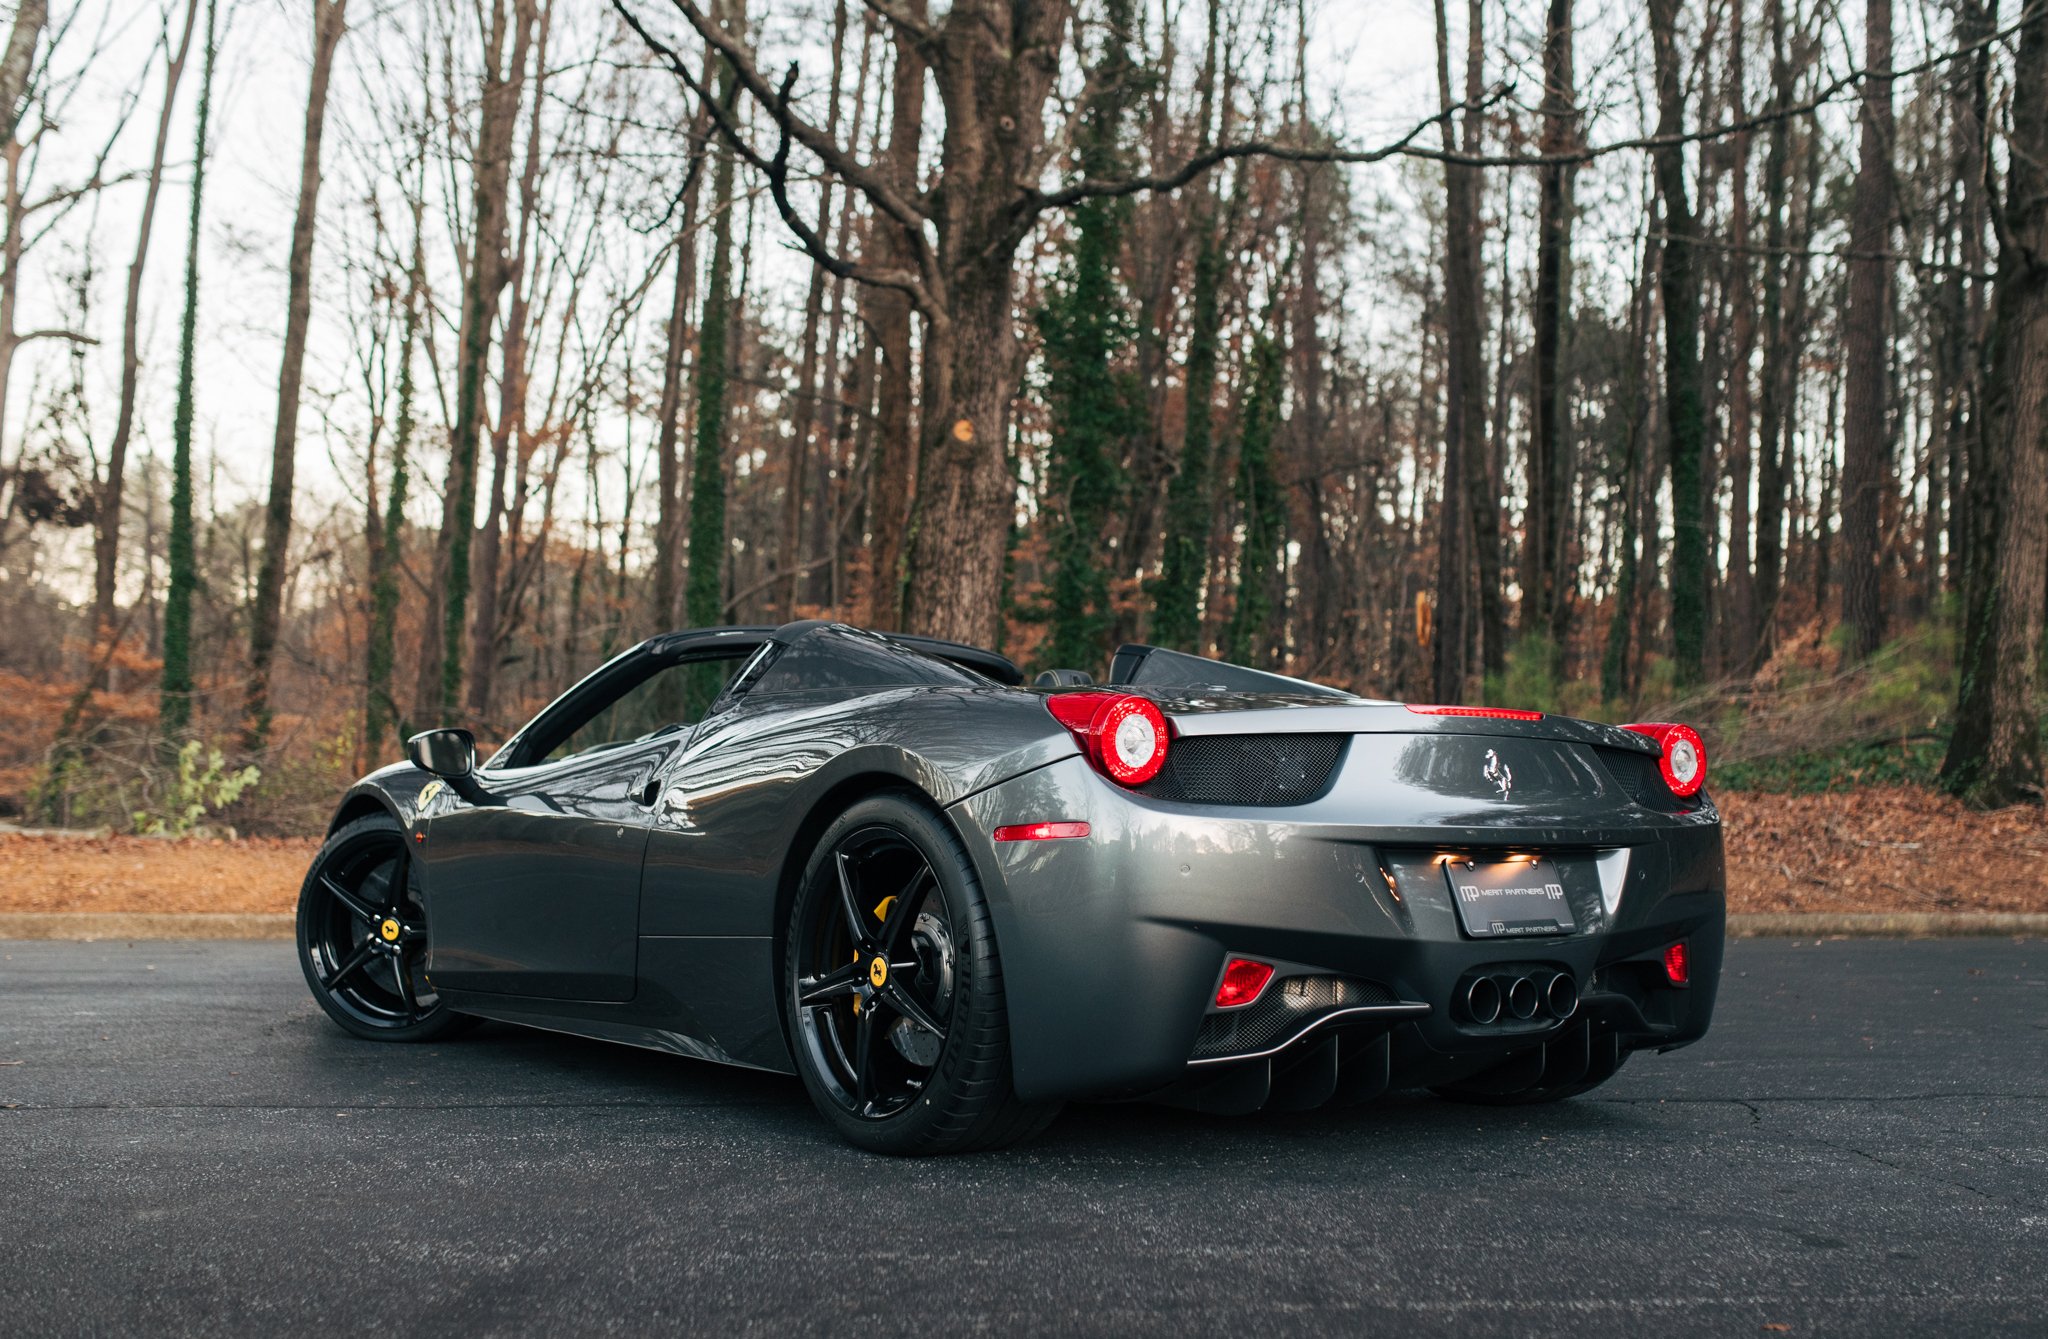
(390, 930)
(878, 972)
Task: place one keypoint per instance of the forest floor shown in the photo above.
(1877, 849)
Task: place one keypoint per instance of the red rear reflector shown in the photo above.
(1489, 713)
(1039, 832)
(1677, 964)
(1243, 982)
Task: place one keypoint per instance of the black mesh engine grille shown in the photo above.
(1247, 769)
(1287, 1006)
(1640, 777)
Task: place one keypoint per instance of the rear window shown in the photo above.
(843, 658)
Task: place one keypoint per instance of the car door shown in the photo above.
(536, 891)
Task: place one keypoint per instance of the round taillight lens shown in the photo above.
(1684, 756)
(1123, 735)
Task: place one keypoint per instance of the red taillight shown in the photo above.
(1488, 713)
(1243, 982)
(1677, 964)
(1682, 757)
(1040, 832)
(1124, 736)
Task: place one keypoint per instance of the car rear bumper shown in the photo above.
(1113, 945)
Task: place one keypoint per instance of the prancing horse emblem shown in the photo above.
(1498, 773)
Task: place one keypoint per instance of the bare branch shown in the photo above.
(73, 336)
(918, 286)
(919, 32)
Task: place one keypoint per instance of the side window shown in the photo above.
(668, 701)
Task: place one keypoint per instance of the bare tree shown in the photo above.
(107, 517)
(328, 26)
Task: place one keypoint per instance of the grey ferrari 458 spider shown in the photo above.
(951, 901)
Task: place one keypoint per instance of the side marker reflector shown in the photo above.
(1039, 832)
(1243, 982)
(1677, 964)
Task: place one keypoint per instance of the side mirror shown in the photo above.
(448, 754)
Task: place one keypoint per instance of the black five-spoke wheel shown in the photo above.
(362, 936)
(895, 989)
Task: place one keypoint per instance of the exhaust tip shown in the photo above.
(1522, 997)
(1562, 995)
(1482, 1000)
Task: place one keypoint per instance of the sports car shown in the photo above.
(951, 901)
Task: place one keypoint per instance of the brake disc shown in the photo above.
(933, 945)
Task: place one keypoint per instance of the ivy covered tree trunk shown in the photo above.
(1247, 639)
(1177, 616)
(174, 702)
(1995, 754)
(380, 707)
(1184, 553)
(703, 602)
(1095, 408)
(1684, 405)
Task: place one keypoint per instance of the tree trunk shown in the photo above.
(1684, 406)
(1546, 580)
(1866, 449)
(2005, 660)
(174, 700)
(380, 706)
(894, 443)
(1464, 381)
(1738, 620)
(107, 514)
(999, 64)
(705, 590)
(328, 26)
(504, 86)
(511, 424)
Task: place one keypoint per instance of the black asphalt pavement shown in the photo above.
(187, 1145)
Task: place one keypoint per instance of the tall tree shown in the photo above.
(328, 26)
(1684, 405)
(1737, 621)
(381, 713)
(107, 513)
(704, 594)
(1095, 406)
(1545, 582)
(1466, 529)
(487, 272)
(174, 705)
(894, 441)
(1184, 557)
(1247, 637)
(1866, 447)
(1995, 753)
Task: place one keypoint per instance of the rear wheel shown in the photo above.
(894, 989)
(363, 939)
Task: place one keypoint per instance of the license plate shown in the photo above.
(1504, 898)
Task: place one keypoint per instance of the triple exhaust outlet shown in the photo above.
(1487, 999)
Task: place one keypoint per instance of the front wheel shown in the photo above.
(894, 989)
(363, 939)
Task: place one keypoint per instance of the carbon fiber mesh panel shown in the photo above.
(1282, 1011)
(1639, 775)
(1262, 770)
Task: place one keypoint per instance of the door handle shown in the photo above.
(645, 792)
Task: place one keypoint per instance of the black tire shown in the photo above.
(362, 937)
(863, 1034)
